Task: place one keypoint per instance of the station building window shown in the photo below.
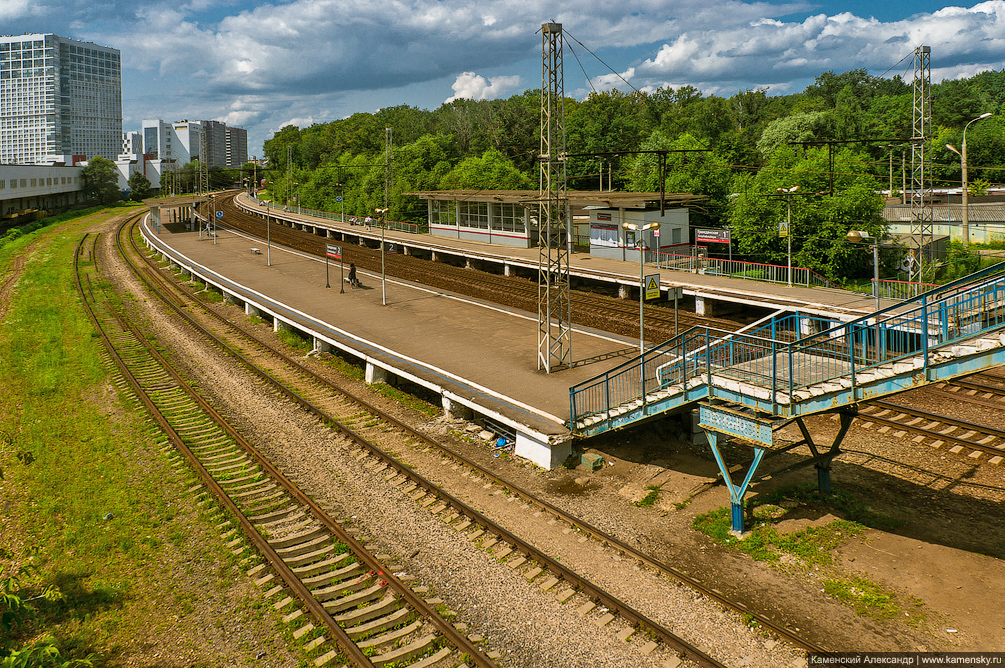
(445, 213)
(509, 218)
(474, 214)
(3, 184)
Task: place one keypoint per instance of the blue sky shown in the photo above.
(264, 65)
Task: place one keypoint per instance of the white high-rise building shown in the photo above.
(58, 97)
(183, 141)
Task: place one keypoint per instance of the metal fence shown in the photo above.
(412, 228)
(753, 271)
(901, 289)
(792, 353)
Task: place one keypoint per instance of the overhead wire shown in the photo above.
(627, 83)
(588, 79)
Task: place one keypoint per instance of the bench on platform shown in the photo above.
(256, 251)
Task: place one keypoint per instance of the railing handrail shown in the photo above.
(938, 317)
(330, 215)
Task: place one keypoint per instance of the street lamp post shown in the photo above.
(963, 164)
(642, 278)
(788, 225)
(857, 236)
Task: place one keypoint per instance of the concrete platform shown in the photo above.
(478, 357)
(707, 290)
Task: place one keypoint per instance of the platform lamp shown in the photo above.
(858, 236)
(642, 278)
(788, 224)
(963, 165)
(381, 215)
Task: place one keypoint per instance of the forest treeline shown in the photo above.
(742, 149)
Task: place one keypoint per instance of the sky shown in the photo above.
(262, 66)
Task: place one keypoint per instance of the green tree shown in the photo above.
(820, 222)
(491, 171)
(795, 127)
(700, 173)
(101, 181)
(749, 107)
(603, 123)
(954, 103)
(139, 187)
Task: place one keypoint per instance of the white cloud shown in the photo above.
(14, 9)
(316, 60)
(608, 81)
(471, 86)
(962, 39)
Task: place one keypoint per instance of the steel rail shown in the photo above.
(934, 417)
(558, 513)
(458, 639)
(315, 608)
(591, 590)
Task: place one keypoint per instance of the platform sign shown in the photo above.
(783, 229)
(219, 215)
(711, 236)
(334, 252)
(652, 286)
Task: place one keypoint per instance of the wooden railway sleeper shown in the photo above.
(343, 573)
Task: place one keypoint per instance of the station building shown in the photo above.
(509, 218)
(986, 220)
(28, 189)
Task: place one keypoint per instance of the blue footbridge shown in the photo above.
(747, 385)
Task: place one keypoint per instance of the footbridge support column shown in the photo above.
(719, 421)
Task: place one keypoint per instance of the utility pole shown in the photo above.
(891, 172)
(922, 215)
(963, 165)
(388, 161)
(554, 307)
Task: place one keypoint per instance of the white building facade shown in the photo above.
(27, 187)
(185, 141)
(58, 97)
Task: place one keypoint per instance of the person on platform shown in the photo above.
(353, 281)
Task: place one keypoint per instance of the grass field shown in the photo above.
(89, 501)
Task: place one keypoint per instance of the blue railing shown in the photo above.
(794, 352)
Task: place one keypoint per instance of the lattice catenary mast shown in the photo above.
(921, 163)
(554, 311)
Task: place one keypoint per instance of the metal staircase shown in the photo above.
(750, 383)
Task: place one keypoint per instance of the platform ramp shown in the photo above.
(798, 365)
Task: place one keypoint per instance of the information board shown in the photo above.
(711, 236)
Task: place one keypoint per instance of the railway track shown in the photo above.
(352, 595)
(337, 407)
(618, 316)
(958, 436)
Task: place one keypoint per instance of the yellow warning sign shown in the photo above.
(652, 286)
